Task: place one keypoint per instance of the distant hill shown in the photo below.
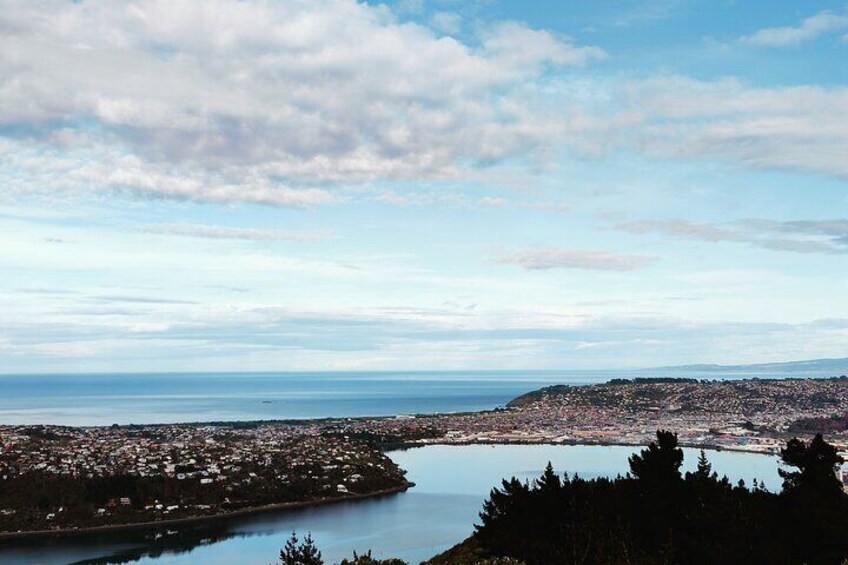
(834, 366)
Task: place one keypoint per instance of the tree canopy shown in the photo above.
(654, 516)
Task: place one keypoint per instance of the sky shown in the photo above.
(216, 185)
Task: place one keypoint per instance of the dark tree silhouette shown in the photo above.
(655, 516)
(815, 506)
(296, 552)
(309, 554)
(549, 481)
(289, 553)
(300, 553)
(817, 465)
(659, 464)
(367, 559)
(705, 468)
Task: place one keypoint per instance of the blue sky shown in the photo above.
(424, 184)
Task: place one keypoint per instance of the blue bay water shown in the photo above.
(451, 484)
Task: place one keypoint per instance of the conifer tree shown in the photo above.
(290, 552)
(309, 554)
(659, 464)
(549, 481)
(300, 553)
(705, 468)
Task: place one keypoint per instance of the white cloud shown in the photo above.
(802, 128)
(522, 47)
(420, 197)
(28, 167)
(556, 258)
(224, 232)
(447, 22)
(799, 127)
(681, 229)
(283, 94)
(808, 29)
(556, 207)
(215, 337)
(492, 202)
(280, 102)
(798, 236)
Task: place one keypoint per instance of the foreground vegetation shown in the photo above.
(656, 515)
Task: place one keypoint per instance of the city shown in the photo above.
(179, 471)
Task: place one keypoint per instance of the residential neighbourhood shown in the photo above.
(61, 477)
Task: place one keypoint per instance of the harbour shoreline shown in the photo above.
(197, 520)
(253, 510)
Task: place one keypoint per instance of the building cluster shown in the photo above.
(176, 451)
(750, 415)
(149, 473)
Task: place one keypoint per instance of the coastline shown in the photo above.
(196, 520)
(707, 447)
(253, 510)
(385, 434)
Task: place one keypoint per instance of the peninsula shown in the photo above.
(62, 479)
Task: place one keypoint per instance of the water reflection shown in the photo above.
(162, 543)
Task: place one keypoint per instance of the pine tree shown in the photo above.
(549, 481)
(705, 468)
(300, 553)
(290, 553)
(659, 464)
(309, 554)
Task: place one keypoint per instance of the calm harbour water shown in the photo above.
(451, 484)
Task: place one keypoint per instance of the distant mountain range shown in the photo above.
(835, 366)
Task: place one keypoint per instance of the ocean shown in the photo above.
(105, 399)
